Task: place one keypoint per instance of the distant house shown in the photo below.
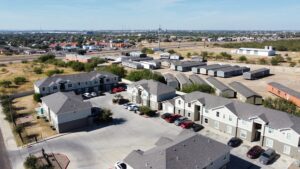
(150, 93)
(245, 94)
(171, 80)
(66, 111)
(183, 80)
(165, 55)
(187, 151)
(284, 92)
(78, 58)
(151, 64)
(256, 74)
(221, 88)
(175, 57)
(267, 51)
(132, 64)
(79, 83)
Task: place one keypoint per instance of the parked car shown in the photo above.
(118, 89)
(267, 156)
(93, 94)
(165, 115)
(87, 95)
(120, 165)
(126, 105)
(234, 142)
(255, 152)
(180, 120)
(172, 118)
(187, 124)
(133, 107)
(197, 127)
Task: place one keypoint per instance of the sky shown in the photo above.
(149, 14)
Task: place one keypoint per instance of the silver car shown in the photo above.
(267, 156)
(180, 120)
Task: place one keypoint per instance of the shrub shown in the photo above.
(144, 74)
(3, 70)
(45, 58)
(263, 61)
(146, 111)
(171, 51)
(292, 64)
(281, 105)
(243, 59)
(147, 51)
(24, 61)
(53, 72)
(274, 61)
(30, 162)
(5, 83)
(19, 80)
(105, 116)
(198, 87)
(38, 70)
(37, 97)
(76, 66)
(115, 69)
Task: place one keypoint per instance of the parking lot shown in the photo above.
(101, 146)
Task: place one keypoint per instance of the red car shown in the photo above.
(186, 124)
(118, 89)
(172, 118)
(255, 152)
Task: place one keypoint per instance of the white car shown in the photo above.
(120, 165)
(133, 107)
(87, 95)
(93, 94)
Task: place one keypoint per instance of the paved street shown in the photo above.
(4, 161)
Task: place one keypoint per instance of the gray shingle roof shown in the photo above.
(242, 89)
(274, 118)
(217, 84)
(285, 89)
(196, 79)
(63, 102)
(74, 78)
(187, 151)
(170, 77)
(154, 87)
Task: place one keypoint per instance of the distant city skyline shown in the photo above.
(149, 14)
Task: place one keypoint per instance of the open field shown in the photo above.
(10, 71)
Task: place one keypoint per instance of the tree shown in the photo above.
(45, 58)
(30, 162)
(38, 70)
(171, 51)
(204, 54)
(76, 66)
(20, 80)
(115, 69)
(5, 83)
(145, 74)
(37, 97)
(53, 72)
(81, 52)
(188, 54)
(105, 115)
(243, 59)
(147, 50)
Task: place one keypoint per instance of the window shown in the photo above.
(107, 80)
(243, 134)
(189, 104)
(78, 83)
(217, 114)
(228, 129)
(269, 143)
(216, 124)
(206, 120)
(288, 136)
(69, 85)
(54, 87)
(43, 89)
(178, 111)
(189, 114)
(224, 116)
(286, 149)
(179, 101)
(230, 118)
(270, 130)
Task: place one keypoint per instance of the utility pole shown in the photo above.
(158, 35)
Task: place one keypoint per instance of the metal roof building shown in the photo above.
(184, 66)
(213, 72)
(196, 79)
(256, 74)
(204, 70)
(183, 80)
(284, 92)
(232, 71)
(171, 80)
(221, 88)
(244, 94)
(132, 64)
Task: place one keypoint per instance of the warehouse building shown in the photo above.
(232, 71)
(267, 51)
(204, 70)
(196, 79)
(185, 66)
(256, 74)
(244, 94)
(151, 64)
(171, 80)
(132, 64)
(183, 80)
(284, 92)
(221, 88)
(213, 72)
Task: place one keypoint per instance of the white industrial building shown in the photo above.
(267, 51)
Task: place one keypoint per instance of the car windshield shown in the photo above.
(265, 155)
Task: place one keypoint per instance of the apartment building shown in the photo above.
(187, 151)
(79, 83)
(150, 93)
(267, 127)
